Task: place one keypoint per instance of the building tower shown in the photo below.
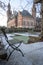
(34, 11)
(9, 12)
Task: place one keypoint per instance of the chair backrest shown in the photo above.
(3, 42)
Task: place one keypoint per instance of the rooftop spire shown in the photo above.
(9, 12)
(9, 7)
(34, 11)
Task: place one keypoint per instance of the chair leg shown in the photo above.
(16, 48)
(20, 51)
(13, 51)
(10, 55)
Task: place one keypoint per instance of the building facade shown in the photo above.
(23, 18)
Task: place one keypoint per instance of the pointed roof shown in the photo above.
(9, 7)
(26, 13)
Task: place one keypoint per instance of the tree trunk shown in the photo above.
(42, 19)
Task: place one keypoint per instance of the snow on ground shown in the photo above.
(33, 55)
(28, 34)
(10, 36)
(31, 47)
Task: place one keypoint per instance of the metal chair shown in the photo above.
(13, 46)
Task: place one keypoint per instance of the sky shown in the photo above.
(17, 5)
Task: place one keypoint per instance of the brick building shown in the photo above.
(23, 18)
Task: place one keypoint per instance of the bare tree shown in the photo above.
(3, 5)
(41, 2)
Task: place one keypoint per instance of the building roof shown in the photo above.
(26, 13)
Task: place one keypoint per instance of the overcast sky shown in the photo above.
(15, 5)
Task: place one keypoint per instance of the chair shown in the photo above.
(13, 46)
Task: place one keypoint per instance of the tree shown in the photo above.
(41, 1)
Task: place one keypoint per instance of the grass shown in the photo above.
(18, 38)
